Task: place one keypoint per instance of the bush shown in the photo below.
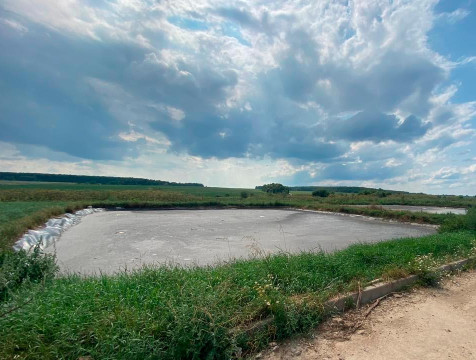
(275, 188)
(460, 222)
(244, 195)
(471, 219)
(321, 193)
(17, 268)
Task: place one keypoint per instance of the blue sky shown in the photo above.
(241, 93)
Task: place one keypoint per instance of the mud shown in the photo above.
(115, 240)
(427, 209)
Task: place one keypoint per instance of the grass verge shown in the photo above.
(201, 313)
(17, 217)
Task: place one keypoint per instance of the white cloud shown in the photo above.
(261, 80)
(175, 113)
(14, 25)
(454, 16)
(231, 172)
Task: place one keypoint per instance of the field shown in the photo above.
(199, 313)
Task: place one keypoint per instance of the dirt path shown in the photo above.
(422, 324)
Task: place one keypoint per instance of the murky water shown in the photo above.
(114, 240)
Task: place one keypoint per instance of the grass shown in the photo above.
(200, 313)
(455, 223)
(16, 269)
(197, 313)
(10, 211)
(17, 217)
(210, 192)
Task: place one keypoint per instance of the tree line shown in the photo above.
(88, 179)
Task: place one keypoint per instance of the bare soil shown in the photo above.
(425, 323)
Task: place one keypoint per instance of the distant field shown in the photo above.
(204, 191)
(5, 184)
(22, 183)
(86, 179)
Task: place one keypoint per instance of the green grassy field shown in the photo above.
(198, 313)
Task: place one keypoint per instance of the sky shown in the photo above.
(378, 93)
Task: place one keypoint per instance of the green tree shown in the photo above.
(275, 188)
(321, 193)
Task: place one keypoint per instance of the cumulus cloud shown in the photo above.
(377, 127)
(325, 85)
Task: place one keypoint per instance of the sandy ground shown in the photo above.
(422, 324)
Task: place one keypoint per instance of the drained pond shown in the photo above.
(427, 209)
(112, 241)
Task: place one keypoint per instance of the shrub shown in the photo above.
(244, 194)
(275, 188)
(382, 194)
(471, 219)
(321, 193)
(19, 267)
(460, 222)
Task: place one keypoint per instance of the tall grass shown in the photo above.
(16, 269)
(19, 217)
(201, 313)
(93, 195)
(455, 223)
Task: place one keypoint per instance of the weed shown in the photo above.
(20, 267)
(459, 222)
(394, 273)
(426, 267)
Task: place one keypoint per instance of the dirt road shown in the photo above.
(422, 324)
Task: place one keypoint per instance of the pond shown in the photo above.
(427, 209)
(116, 240)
